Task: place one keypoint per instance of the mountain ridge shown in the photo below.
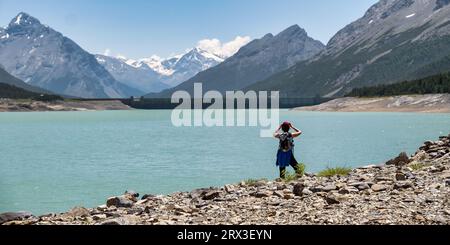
(155, 74)
(395, 40)
(257, 60)
(46, 58)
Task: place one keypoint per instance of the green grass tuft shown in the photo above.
(295, 176)
(252, 182)
(417, 166)
(329, 172)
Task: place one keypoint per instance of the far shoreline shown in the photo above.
(11, 105)
(428, 104)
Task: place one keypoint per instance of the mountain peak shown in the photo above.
(24, 19)
(294, 29)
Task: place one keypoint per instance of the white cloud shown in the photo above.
(223, 50)
(107, 52)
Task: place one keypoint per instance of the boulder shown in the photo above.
(262, 194)
(401, 160)
(348, 190)
(210, 195)
(400, 176)
(132, 193)
(12, 216)
(330, 187)
(78, 212)
(378, 188)
(148, 196)
(230, 188)
(120, 202)
(306, 192)
(361, 186)
(332, 199)
(279, 194)
(298, 189)
(403, 185)
(125, 220)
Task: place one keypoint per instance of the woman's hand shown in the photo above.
(297, 133)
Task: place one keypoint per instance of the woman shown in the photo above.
(285, 155)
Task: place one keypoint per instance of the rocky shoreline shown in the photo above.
(8, 105)
(405, 190)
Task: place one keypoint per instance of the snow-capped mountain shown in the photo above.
(189, 65)
(155, 74)
(138, 75)
(45, 58)
(395, 40)
(255, 61)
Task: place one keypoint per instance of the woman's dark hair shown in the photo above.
(285, 127)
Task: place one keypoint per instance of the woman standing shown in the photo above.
(285, 155)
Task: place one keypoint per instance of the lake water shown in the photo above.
(53, 161)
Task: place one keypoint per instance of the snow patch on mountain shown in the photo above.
(173, 70)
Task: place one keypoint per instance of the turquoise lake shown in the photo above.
(53, 161)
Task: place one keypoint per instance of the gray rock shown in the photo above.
(332, 199)
(348, 190)
(98, 217)
(378, 188)
(306, 192)
(262, 194)
(401, 160)
(403, 185)
(278, 194)
(117, 221)
(363, 186)
(329, 188)
(298, 189)
(230, 188)
(316, 189)
(78, 212)
(120, 202)
(211, 195)
(132, 193)
(12, 216)
(400, 176)
(148, 196)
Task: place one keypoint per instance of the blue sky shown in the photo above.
(140, 28)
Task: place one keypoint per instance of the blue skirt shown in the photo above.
(284, 158)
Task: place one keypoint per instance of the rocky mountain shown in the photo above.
(6, 78)
(155, 74)
(255, 61)
(395, 40)
(134, 74)
(190, 64)
(43, 57)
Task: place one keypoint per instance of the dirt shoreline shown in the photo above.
(7, 105)
(432, 103)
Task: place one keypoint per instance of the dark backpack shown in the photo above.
(286, 141)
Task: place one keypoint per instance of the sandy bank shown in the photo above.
(433, 103)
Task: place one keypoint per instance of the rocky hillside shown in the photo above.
(406, 190)
(6, 78)
(396, 40)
